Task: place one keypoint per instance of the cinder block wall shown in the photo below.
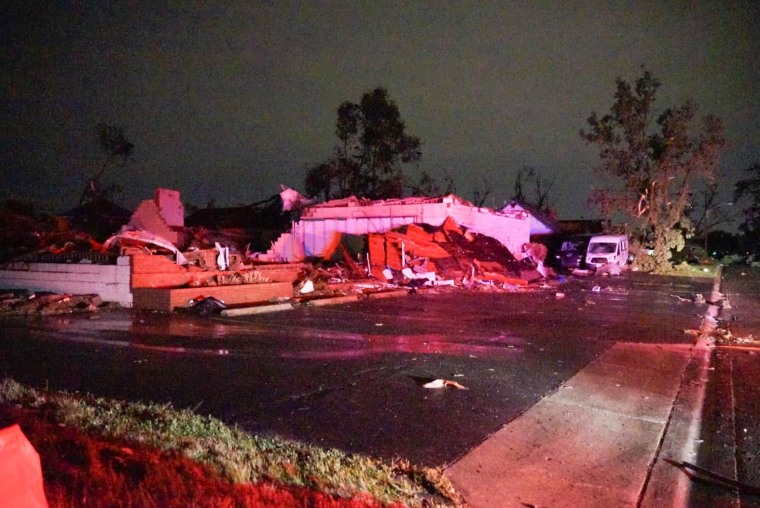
(110, 282)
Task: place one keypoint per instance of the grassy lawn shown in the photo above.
(102, 452)
(692, 270)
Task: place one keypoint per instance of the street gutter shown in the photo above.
(604, 437)
(667, 484)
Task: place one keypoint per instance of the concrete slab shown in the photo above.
(640, 389)
(590, 443)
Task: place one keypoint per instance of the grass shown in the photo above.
(689, 270)
(227, 455)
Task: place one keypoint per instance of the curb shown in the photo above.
(668, 485)
(591, 443)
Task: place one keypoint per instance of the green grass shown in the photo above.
(697, 271)
(237, 455)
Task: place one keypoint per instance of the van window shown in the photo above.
(602, 248)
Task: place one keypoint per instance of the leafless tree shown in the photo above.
(537, 194)
(117, 149)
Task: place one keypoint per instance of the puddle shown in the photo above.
(414, 344)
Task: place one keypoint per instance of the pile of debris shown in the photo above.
(420, 255)
(20, 302)
(170, 257)
(451, 255)
(25, 235)
(99, 229)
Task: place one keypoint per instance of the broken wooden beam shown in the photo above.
(168, 299)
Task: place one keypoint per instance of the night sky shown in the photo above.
(226, 103)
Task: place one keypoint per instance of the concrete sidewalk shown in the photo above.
(599, 439)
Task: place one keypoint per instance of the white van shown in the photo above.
(607, 249)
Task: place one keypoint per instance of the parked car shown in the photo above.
(572, 252)
(607, 249)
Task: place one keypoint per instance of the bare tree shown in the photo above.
(537, 194)
(118, 150)
(709, 212)
(479, 196)
(427, 185)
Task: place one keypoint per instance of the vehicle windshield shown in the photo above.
(602, 248)
(572, 245)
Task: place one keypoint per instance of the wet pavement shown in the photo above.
(730, 433)
(350, 376)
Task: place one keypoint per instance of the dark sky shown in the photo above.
(226, 103)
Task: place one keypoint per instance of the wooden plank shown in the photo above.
(376, 244)
(182, 279)
(281, 273)
(387, 294)
(335, 300)
(417, 234)
(159, 272)
(257, 309)
(167, 299)
(160, 280)
(144, 263)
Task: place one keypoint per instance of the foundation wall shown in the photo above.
(168, 299)
(110, 282)
(147, 282)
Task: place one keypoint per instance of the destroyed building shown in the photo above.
(541, 224)
(158, 261)
(257, 224)
(138, 265)
(314, 231)
(98, 217)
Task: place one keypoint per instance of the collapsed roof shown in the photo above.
(311, 234)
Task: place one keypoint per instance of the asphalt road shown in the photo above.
(350, 376)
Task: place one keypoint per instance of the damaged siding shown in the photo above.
(512, 230)
(315, 234)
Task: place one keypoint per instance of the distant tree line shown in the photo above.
(748, 191)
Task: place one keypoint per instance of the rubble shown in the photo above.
(24, 235)
(128, 237)
(609, 269)
(415, 257)
(169, 260)
(419, 252)
(22, 302)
